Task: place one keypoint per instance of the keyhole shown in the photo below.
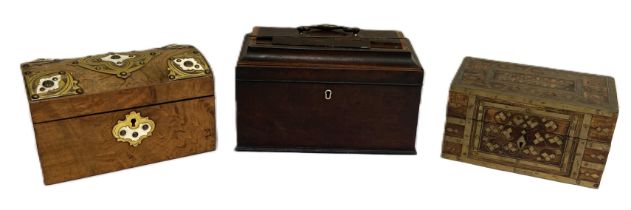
(133, 122)
(328, 94)
(521, 142)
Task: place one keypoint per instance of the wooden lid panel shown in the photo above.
(63, 88)
(305, 53)
(588, 92)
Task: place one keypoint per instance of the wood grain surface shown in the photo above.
(357, 117)
(84, 146)
(68, 107)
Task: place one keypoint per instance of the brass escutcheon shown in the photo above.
(133, 129)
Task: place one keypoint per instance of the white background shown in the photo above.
(590, 37)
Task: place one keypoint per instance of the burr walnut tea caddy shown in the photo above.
(108, 112)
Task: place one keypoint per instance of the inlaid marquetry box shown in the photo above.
(536, 121)
(108, 112)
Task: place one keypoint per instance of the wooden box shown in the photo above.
(108, 112)
(541, 122)
(327, 88)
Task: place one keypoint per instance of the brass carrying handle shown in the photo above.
(328, 27)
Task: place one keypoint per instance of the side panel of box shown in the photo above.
(598, 132)
(85, 146)
(457, 128)
(316, 117)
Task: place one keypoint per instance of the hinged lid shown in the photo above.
(328, 53)
(580, 92)
(66, 88)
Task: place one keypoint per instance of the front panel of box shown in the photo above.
(95, 144)
(326, 117)
(538, 141)
(523, 137)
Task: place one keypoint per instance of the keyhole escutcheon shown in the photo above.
(328, 94)
(521, 142)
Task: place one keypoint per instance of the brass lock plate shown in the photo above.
(133, 129)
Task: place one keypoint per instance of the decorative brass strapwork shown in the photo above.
(133, 129)
(119, 64)
(187, 65)
(43, 85)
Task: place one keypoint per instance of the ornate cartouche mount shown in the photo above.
(133, 129)
(119, 64)
(43, 85)
(187, 65)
